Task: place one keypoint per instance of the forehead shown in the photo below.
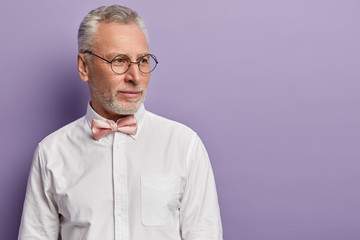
(114, 37)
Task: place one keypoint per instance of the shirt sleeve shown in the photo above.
(199, 209)
(40, 218)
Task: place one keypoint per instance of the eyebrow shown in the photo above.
(111, 55)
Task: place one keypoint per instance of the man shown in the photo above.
(120, 172)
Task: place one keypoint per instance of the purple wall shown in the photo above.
(282, 76)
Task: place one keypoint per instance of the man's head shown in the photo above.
(105, 33)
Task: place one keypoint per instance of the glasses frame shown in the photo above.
(130, 62)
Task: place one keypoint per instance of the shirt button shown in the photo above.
(119, 213)
(119, 179)
(117, 147)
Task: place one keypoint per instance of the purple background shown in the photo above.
(272, 88)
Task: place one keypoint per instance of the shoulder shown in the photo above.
(166, 125)
(64, 134)
(171, 133)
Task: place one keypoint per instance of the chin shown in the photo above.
(125, 108)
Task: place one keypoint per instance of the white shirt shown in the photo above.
(155, 185)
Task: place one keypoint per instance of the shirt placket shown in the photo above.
(120, 188)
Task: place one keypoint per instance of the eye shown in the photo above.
(144, 60)
(120, 60)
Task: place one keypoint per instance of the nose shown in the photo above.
(133, 75)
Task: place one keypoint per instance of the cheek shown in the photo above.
(145, 82)
(103, 83)
(100, 86)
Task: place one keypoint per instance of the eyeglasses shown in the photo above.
(121, 63)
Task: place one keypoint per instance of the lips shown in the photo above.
(130, 94)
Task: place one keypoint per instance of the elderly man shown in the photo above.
(120, 172)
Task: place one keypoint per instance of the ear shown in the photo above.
(83, 67)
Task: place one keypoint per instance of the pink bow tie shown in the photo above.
(102, 128)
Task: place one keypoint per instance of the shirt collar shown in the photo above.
(139, 115)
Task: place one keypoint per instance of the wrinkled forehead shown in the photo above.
(115, 37)
(116, 25)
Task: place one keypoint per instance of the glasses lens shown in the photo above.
(120, 64)
(147, 63)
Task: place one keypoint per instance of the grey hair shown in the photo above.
(113, 13)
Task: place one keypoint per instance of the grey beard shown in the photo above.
(121, 109)
(118, 108)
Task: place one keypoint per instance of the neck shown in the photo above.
(106, 114)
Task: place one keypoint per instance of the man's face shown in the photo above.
(114, 95)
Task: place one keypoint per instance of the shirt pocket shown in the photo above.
(159, 199)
